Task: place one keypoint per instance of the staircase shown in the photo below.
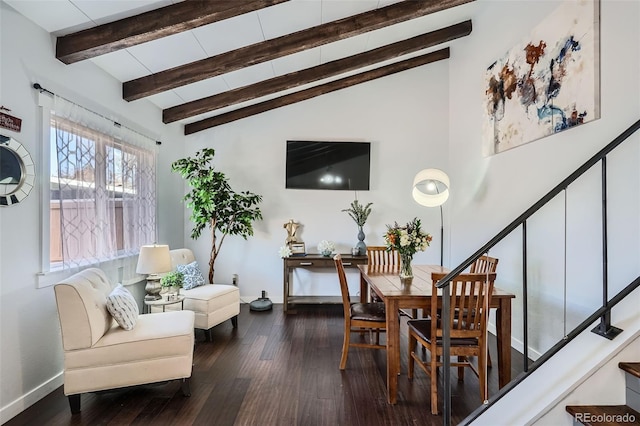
(604, 415)
(582, 355)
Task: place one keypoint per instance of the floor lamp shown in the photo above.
(431, 189)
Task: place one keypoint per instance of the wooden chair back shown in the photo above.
(484, 264)
(344, 288)
(380, 256)
(470, 296)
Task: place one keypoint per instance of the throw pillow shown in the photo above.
(192, 275)
(123, 307)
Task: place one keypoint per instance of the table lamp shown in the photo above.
(431, 189)
(153, 260)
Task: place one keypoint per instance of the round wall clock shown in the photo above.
(17, 172)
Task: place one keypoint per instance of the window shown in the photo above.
(102, 198)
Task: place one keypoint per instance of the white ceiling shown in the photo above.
(61, 17)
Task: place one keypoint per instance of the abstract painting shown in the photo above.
(548, 83)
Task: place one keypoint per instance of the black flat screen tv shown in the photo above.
(328, 165)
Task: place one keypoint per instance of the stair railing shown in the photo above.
(604, 329)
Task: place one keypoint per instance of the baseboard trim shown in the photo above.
(517, 344)
(16, 407)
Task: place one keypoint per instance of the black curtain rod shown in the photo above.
(37, 86)
(42, 89)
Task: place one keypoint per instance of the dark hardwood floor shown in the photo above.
(274, 369)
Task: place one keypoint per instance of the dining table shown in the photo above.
(397, 293)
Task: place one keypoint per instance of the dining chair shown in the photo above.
(359, 317)
(470, 296)
(485, 264)
(379, 256)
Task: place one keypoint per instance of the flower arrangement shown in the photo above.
(285, 251)
(407, 240)
(358, 212)
(326, 247)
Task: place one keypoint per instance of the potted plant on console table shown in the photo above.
(215, 204)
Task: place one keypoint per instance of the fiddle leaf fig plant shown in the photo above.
(214, 204)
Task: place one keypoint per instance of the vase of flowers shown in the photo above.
(359, 214)
(326, 248)
(407, 240)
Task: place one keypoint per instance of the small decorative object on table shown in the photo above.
(292, 228)
(298, 249)
(284, 251)
(326, 248)
(407, 240)
(359, 214)
(172, 282)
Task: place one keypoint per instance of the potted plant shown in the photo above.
(213, 203)
(359, 214)
(172, 281)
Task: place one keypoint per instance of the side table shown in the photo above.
(148, 304)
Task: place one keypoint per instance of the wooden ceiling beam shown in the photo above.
(309, 75)
(151, 25)
(315, 91)
(282, 46)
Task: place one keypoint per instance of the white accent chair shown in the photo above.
(212, 304)
(100, 355)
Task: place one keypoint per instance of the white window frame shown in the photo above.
(49, 276)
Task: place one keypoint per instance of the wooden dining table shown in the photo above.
(399, 294)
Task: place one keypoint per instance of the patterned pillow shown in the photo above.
(192, 275)
(123, 307)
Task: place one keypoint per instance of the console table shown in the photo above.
(312, 261)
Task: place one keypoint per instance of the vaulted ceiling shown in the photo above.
(206, 63)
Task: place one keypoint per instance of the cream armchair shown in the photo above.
(212, 303)
(99, 354)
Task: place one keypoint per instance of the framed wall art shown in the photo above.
(548, 83)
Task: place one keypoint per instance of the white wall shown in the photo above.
(489, 193)
(30, 344)
(404, 116)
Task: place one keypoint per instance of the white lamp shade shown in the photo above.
(431, 187)
(154, 259)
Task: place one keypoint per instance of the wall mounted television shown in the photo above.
(328, 165)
